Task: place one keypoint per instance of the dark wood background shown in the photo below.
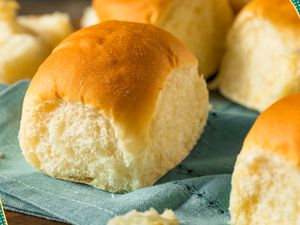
(14, 218)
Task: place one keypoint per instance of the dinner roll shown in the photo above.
(262, 62)
(21, 52)
(115, 106)
(150, 217)
(201, 24)
(266, 178)
(25, 43)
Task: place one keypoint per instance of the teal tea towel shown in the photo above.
(197, 189)
(3, 220)
(296, 3)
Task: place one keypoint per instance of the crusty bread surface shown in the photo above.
(200, 25)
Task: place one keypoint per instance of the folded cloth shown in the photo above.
(197, 190)
(2, 87)
(296, 4)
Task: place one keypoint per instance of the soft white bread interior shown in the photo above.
(115, 106)
(89, 17)
(150, 217)
(237, 5)
(262, 60)
(202, 25)
(266, 178)
(25, 42)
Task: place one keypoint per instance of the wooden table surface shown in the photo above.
(14, 218)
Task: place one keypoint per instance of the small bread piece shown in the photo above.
(266, 177)
(150, 217)
(262, 61)
(115, 106)
(200, 24)
(25, 42)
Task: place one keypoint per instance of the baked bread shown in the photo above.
(266, 177)
(200, 24)
(150, 217)
(21, 52)
(51, 28)
(26, 41)
(262, 64)
(115, 106)
(237, 5)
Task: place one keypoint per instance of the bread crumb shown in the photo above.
(151, 217)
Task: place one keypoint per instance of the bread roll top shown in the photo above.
(144, 11)
(116, 67)
(278, 12)
(277, 130)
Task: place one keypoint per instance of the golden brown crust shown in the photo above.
(279, 12)
(143, 11)
(278, 130)
(117, 67)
